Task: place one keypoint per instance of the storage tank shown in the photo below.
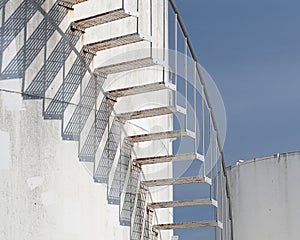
(65, 168)
(265, 197)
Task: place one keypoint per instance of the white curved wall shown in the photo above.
(45, 192)
(266, 198)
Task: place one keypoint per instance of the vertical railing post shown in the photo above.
(164, 40)
(210, 150)
(151, 28)
(137, 18)
(195, 108)
(217, 180)
(220, 202)
(185, 82)
(202, 131)
(175, 57)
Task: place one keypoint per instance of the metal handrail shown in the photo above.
(209, 105)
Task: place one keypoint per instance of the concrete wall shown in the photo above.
(45, 192)
(265, 197)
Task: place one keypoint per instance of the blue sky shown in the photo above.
(252, 51)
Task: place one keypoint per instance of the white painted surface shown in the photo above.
(35, 182)
(49, 198)
(5, 160)
(266, 196)
(45, 192)
(11, 101)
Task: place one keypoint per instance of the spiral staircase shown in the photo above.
(105, 142)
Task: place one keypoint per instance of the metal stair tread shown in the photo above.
(168, 158)
(147, 113)
(114, 42)
(157, 136)
(101, 18)
(170, 226)
(182, 203)
(123, 92)
(127, 66)
(175, 181)
(73, 2)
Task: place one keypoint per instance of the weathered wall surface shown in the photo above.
(265, 197)
(45, 192)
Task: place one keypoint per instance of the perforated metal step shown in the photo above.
(176, 181)
(157, 136)
(147, 113)
(170, 226)
(169, 158)
(182, 203)
(101, 18)
(114, 42)
(129, 91)
(127, 66)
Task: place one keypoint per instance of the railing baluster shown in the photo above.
(202, 131)
(175, 57)
(195, 109)
(151, 27)
(185, 82)
(137, 19)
